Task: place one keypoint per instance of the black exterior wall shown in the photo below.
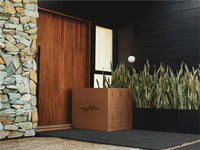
(166, 32)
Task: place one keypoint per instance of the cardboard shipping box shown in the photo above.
(105, 109)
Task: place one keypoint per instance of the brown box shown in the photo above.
(105, 109)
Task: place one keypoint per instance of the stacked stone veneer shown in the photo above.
(18, 79)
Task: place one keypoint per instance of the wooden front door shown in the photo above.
(64, 64)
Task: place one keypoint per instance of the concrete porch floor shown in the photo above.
(47, 143)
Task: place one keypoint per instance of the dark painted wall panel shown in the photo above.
(167, 32)
(173, 7)
(189, 50)
(175, 16)
(156, 26)
(170, 43)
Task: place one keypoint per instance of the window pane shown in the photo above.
(99, 77)
(103, 50)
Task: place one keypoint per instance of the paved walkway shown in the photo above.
(40, 143)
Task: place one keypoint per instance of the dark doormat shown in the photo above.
(129, 138)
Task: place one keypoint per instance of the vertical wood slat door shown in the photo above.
(64, 64)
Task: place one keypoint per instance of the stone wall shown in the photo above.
(18, 78)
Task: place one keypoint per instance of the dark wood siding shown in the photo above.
(168, 32)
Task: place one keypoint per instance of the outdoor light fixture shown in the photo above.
(131, 58)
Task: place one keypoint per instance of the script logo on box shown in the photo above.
(89, 108)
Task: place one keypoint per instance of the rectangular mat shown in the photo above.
(129, 138)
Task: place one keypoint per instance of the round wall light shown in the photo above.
(131, 59)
